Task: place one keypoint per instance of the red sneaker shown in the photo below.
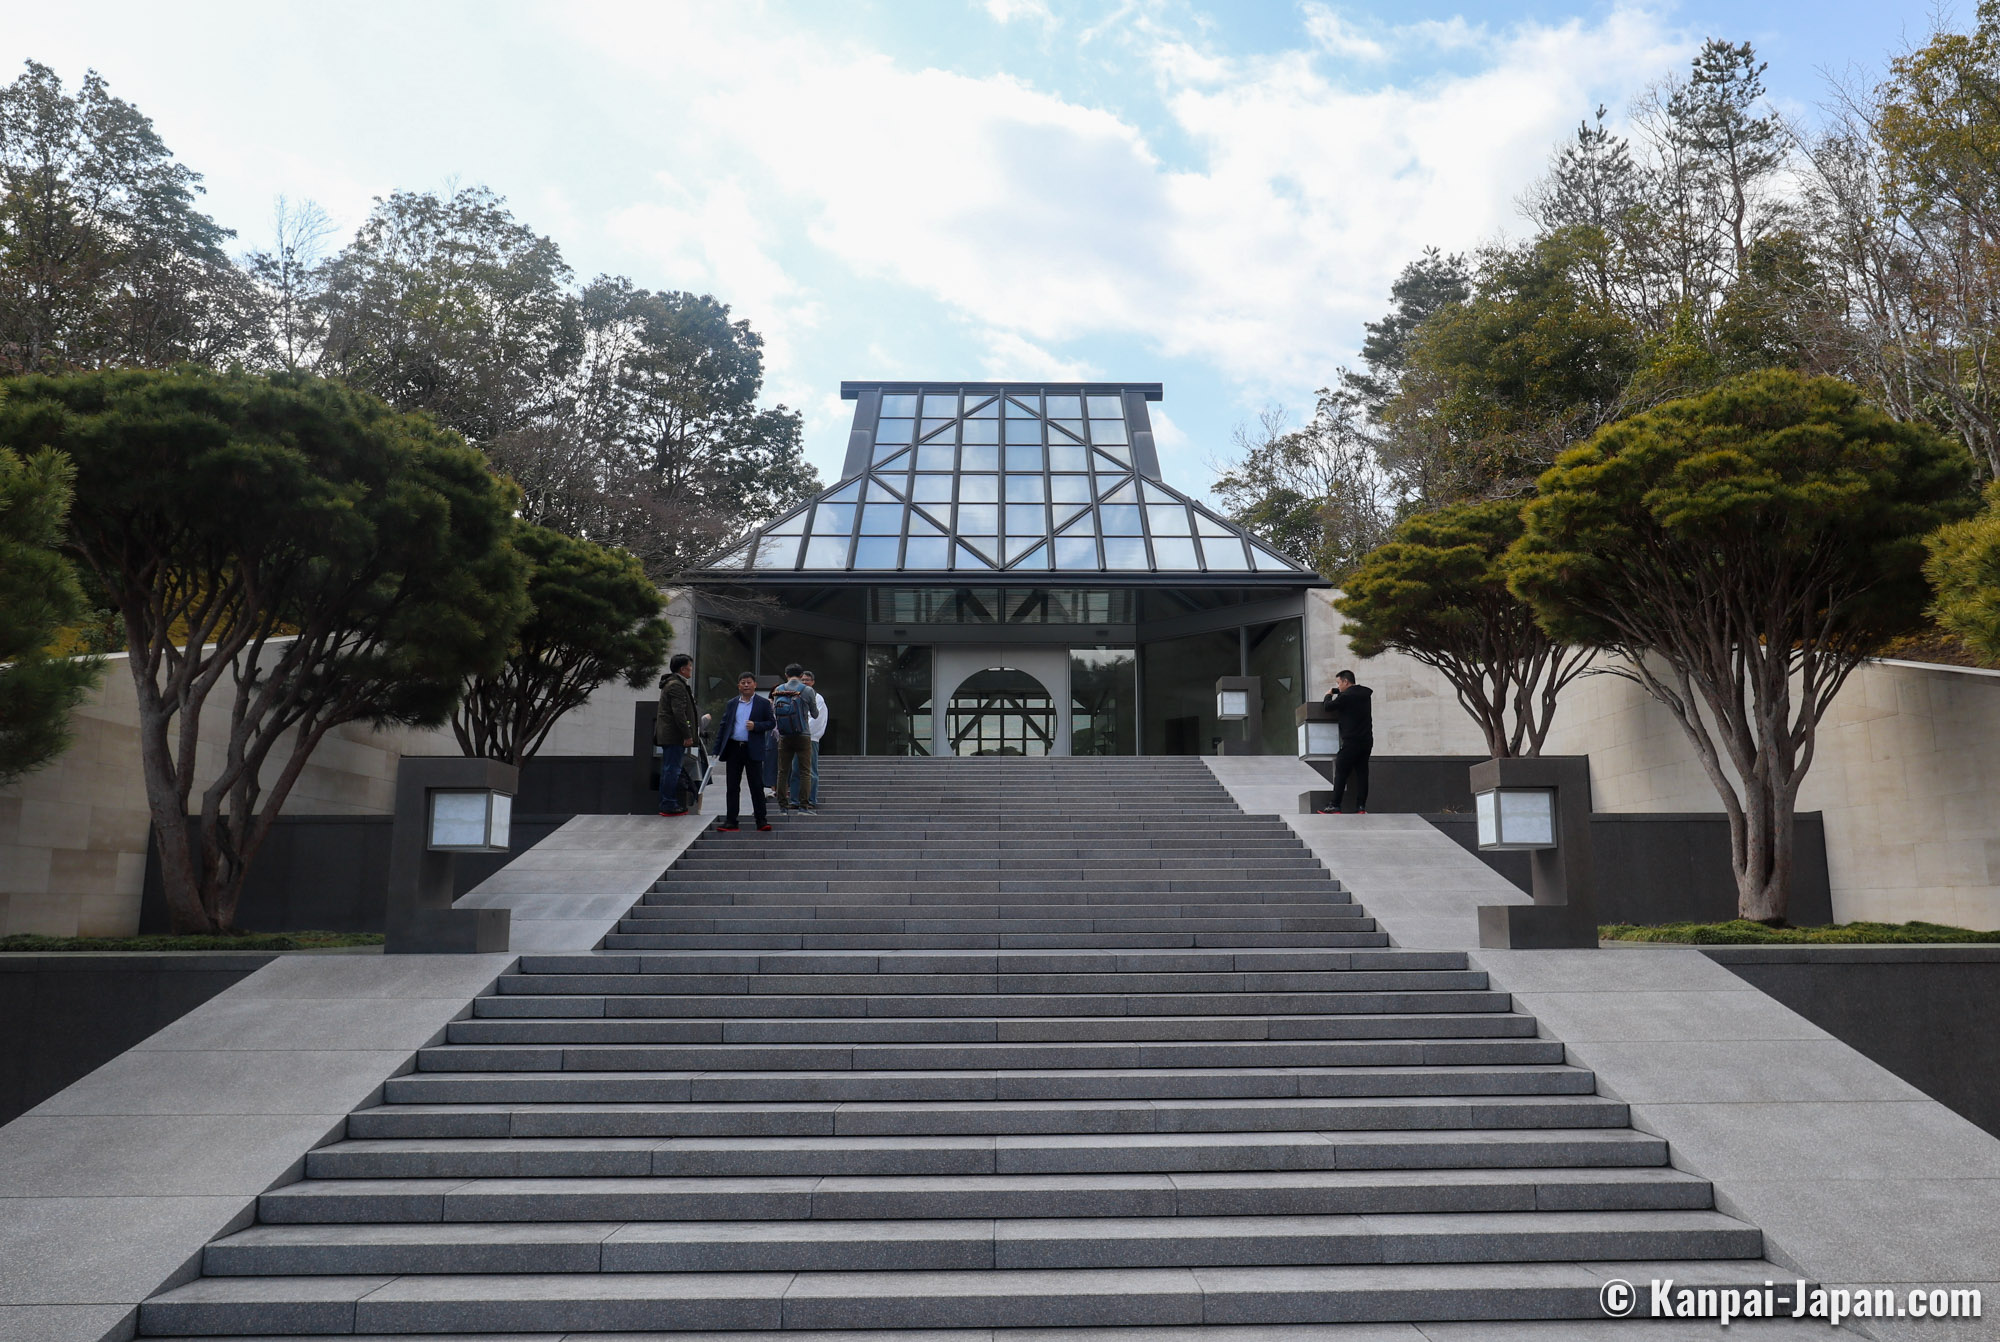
(725, 829)
(763, 828)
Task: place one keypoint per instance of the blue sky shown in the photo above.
(1210, 196)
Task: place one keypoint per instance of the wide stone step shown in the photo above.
(1048, 1153)
(998, 1084)
(768, 984)
(482, 1029)
(467, 1118)
(997, 1004)
(1250, 899)
(975, 1244)
(955, 1057)
(985, 940)
(1083, 1298)
(952, 1197)
(1330, 915)
(1072, 962)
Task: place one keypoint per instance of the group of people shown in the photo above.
(794, 712)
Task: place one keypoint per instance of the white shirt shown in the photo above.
(819, 723)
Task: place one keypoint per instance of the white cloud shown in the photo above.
(1335, 35)
(1010, 11)
(1010, 358)
(1260, 248)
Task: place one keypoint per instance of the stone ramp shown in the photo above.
(1083, 1046)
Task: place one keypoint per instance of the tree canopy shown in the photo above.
(1438, 592)
(285, 555)
(1964, 567)
(1743, 550)
(38, 597)
(594, 617)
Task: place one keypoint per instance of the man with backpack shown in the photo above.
(796, 706)
(674, 730)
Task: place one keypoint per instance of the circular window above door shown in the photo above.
(1002, 711)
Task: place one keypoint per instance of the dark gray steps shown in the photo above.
(577, 1056)
(986, 940)
(466, 1118)
(1000, 1004)
(1086, 1298)
(899, 1197)
(482, 1029)
(1045, 1153)
(658, 1087)
(1059, 962)
(972, 1244)
(771, 983)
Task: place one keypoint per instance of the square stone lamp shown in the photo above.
(1240, 699)
(445, 805)
(1539, 806)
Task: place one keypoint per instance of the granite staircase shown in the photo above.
(986, 1044)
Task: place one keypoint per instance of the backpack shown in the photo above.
(795, 708)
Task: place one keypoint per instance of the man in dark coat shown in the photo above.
(1351, 708)
(674, 729)
(741, 740)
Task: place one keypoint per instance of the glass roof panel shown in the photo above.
(1105, 461)
(880, 490)
(1069, 488)
(1121, 491)
(972, 458)
(1223, 552)
(1174, 552)
(1118, 519)
(877, 551)
(1023, 407)
(882, 519)
(978, 519)
(1065, 513)
(981, 431)
(978, 409)
(1018, 546)
(1022, 457)
(1104, 432)
(1167, 520)
(1064, 407)
(978, 489)
(1025, 488)
(790, 526)
(899, 405)
(965, 557)
(1035, 558)
(735, 558)
(1076, 553)
(932, 489)
(833, 518)
(1068, 457)
(926, 552)
(1209, 526)
(1027, 519)
(885, 453)
(1106, 407)
(939, 456)
(1072, 427)
(895, 430)
(941, 403)
(1155, 493)
(934, 426)
(826, 552)
(1024, 431)
(1082, 526)
(922, 525)
(1121, 553)
(847, 493)
(1267, 560)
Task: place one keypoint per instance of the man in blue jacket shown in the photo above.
(741, 740)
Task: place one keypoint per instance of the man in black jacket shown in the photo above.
(1350, 706)
(674, 729)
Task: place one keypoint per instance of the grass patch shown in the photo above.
(1741, 933)
(248, 941)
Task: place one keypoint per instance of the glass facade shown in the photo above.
(1104, 701)
(899, 700)
(836, 667)
(1277, 656)
(1179, 676)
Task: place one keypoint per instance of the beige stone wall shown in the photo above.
(73, 836)
(1416, 712)
(1907, 772)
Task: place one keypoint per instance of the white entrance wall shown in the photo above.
(954, 664)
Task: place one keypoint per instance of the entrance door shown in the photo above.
(1002, 711)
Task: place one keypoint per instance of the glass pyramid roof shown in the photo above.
(1030, 480)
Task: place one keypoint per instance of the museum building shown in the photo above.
(1001, 570)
